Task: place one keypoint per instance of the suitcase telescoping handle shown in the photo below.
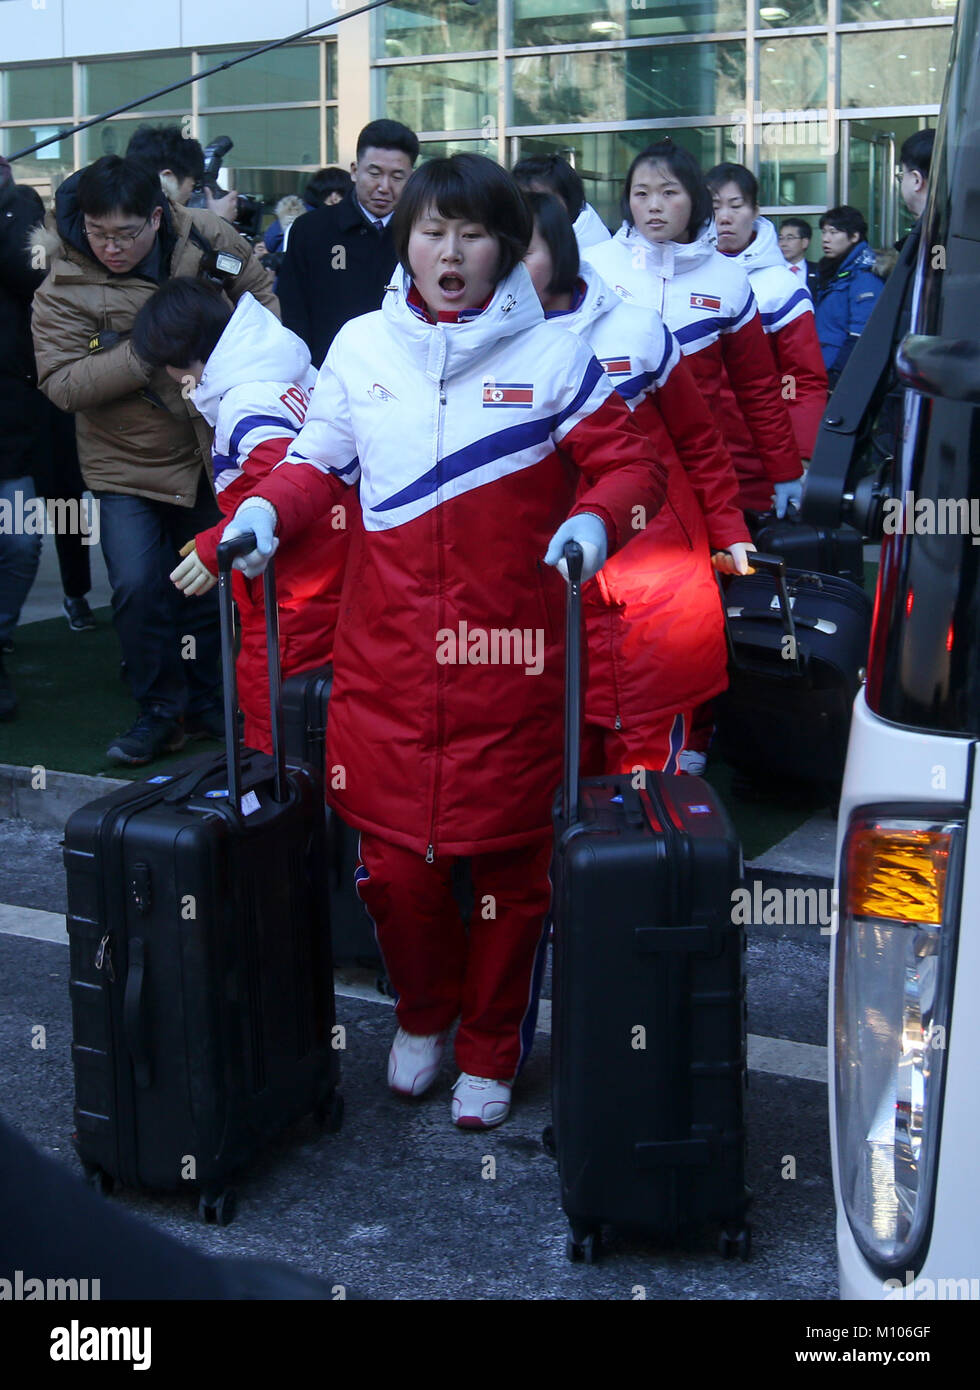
(228, 551)
(776, 566)
(573, 682)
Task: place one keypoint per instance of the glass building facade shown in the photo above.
(816, 96)
(279, 109)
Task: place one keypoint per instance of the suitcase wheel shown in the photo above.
(218, 1211)
(548, 1141)
(583, 1246)
(99, 1179)
(329, 1113)
(738, 1242)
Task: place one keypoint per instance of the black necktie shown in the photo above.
(379, 226)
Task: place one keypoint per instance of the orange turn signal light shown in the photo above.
(897, 874)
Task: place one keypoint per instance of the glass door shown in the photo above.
(868, 178)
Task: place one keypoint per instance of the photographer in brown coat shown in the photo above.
(141, 443)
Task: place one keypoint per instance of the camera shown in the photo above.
(249, 215)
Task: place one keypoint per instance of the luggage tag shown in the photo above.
(250, 802)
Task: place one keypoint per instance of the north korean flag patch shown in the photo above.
(509, 393)
(615, 366)
(705, 301)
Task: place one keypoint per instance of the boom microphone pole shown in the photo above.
(197, 77)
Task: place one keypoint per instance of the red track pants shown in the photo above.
(487, 974)
(656, 746)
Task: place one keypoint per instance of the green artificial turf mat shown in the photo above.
(72, 701)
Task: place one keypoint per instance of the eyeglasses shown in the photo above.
(122, 241)
(789, 236)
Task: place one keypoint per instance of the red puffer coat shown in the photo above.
(469, 440)
(653, 614)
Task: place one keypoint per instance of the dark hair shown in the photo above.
(556, 175)
(113, 183)
(181, 323)
(164, 147)
(917, 152)
(802, 226)
(552, 222)
(743, 179)
(388, 135)
(473, 187)
(685, 169)
(327, 181)
(845, 219)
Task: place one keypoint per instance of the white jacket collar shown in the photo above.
(255, 346)
(589, 227)
(764, 250)
(669, 258)
(599, 299)
(449, 348)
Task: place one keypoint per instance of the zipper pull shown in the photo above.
(103, 957)
(429, 856)
(619, 723)
(442, 393)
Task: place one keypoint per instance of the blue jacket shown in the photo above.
(844, 305)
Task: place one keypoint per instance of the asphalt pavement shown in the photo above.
(399, 1204)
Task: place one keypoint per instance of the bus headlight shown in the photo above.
(894, 968)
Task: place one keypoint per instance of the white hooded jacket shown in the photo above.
(589, 228)
(697, 291)
(255, 388)
(431, 406)
(707, 302)
(635, 348)
(780, 295)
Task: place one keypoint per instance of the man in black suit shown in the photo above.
(339, 259)
(794, 242)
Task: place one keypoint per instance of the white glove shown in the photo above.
(788, 494)
(192, 576)
(590, 533)
(255, 514)
(735, 559)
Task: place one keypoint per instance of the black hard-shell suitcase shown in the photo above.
(820, 549)
(799, 645)
(200, 972)
(305, 697)
(648, 1014)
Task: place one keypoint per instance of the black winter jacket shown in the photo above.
(21, 419)
(336, 267)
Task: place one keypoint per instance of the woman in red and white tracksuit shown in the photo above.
(656, 638)
(786, 310)
(664, 257)
(253, 381)
(256, 390)
(469, 425)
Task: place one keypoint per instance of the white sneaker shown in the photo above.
(691, 762)
(414, 1061)
(479, 1102)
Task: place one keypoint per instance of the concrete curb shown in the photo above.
(46, 797)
